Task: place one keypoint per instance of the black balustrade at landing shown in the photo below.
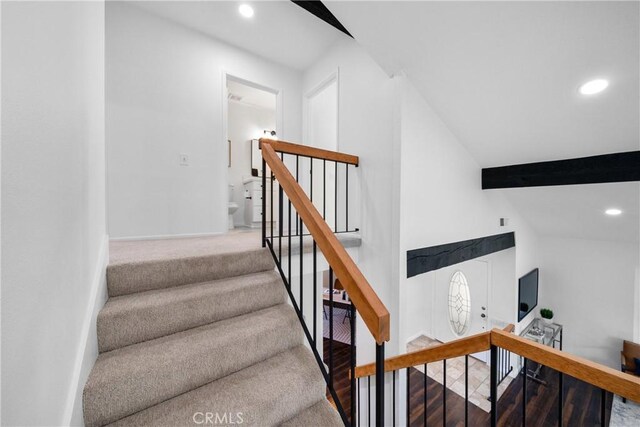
(539, 399)
(290, 237)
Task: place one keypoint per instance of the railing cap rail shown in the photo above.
(457, 348)
(373, 312)
(306, 151)
(601, 376)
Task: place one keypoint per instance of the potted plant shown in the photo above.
(547, 315)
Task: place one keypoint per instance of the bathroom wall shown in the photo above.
(164, 89)
(246, 122)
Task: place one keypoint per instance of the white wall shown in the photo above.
(366, 129)
(165, 97)
(53, 205)
(589, 285)
(442, 202)
(246, 122)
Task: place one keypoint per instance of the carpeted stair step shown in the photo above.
(265, 394)
(130, 379)
(127, 277)
(131, 319)
(320, 414)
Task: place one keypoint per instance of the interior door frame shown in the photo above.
(226, 76)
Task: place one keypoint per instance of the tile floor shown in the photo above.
(479, 374)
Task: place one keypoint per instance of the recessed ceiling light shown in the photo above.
(594, 86)
(613, 212)
(245, 10)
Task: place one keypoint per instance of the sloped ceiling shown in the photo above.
(504, 78)
(504, 75)
(279, 30)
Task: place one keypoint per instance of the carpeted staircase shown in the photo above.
(205, 338)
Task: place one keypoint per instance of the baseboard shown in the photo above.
(166, 236)
(87, 351)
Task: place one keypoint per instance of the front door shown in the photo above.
(460, 313)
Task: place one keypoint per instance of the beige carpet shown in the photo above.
(128, 251)
(201, 326)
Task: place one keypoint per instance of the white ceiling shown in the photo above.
(279, 30)
(504, 75)
(252, 96)
(578, 210)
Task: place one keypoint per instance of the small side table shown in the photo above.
(549, 334)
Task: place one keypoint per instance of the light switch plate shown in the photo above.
(184, 159)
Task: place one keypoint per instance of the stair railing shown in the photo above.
(307, 233)
(606, 379)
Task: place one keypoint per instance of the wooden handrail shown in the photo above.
(306, 151)
(374, 314)
(601, 376)
(593, 373)
(509, 328)
(457, 348)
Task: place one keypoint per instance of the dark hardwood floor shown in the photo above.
(341, 382)
(581, 400)
(455, 408)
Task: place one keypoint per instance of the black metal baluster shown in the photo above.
(289, 238)
(331, 326)
(271, 207)
(324, 189)
(335, 196)
(380, 385)
(524, 394)
(505, 362)
(352, 350)
(424, 397)
(280, 223)
(297, 164)
(494, 386)
(346, 205)
(282, 216)
(444, 392)
(394, 398)
(315, 293)
(358, 417)
(560, 398)
(369, 399)
(315, 272)
(264, 202)
(603, 407)
(301, 272)
(466, 390)
(408, 397)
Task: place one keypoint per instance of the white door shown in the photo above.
(471, 309)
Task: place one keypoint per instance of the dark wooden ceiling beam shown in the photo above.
(607, 168)
(317, 8)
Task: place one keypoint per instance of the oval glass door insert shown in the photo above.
(459, 304)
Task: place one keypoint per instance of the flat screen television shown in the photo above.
(527, 293)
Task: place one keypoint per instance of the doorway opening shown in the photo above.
(251, 114)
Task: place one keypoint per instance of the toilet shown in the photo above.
(233, 207)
